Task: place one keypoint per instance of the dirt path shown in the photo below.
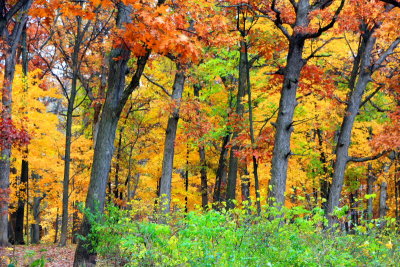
(22, 256)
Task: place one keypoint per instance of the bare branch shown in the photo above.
(157, 84)
(313, 54)
(387, 53)
(377, 156)
(392, 2)
(141, 63)
(368, 98)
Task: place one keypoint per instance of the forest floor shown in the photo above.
(22, 256)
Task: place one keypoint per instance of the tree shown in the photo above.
(117, 95)
(302, 30)
(12, 21)
(363, 69)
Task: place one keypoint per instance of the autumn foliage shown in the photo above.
(280, 91)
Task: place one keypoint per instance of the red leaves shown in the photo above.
(11, 136)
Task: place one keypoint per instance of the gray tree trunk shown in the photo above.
(352, 109)
(12, 40)
(364, 68)
(287, 105)
(203, 162)
(19, 215)
(221, 175)
(116, 97)
(284, 128)
(169, 143)
(371, 178)
(233, 160)
(203, 177)
(383, 208)
(68, 133)
(35, 227)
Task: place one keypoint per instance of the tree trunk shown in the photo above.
(116, 98)
(220, 178)
(233, 160)
(169, 144)
(56, 228)
(371, 178)
(35, 227)
(245, 183)
(343, 144)
(19, 220)
(203, 162)
(68, 133)
(284, 124)
(5, 153)
(251, 130)
(383, 208)
(203, 177)
(287, 105)
(323, 182)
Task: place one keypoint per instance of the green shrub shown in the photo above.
(296, 237)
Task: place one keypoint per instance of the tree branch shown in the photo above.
(383, 57)
(368, 98)
(329, 25)
(313, 54)
(377, 156)
(157, 84)
(141, 63)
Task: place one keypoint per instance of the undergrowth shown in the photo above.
(295, 237)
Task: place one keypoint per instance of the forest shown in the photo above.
(200, 132)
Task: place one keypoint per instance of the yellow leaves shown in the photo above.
(389, 244)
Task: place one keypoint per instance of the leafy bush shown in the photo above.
(237, 238)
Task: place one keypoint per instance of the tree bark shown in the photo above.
(284, 127)
(288, 103)
(203, 177)
(383, 208)
(364, 71)
(169, 143)
(12, 40)
(116, 98)
(352, 109)
(19, 219)
(68, 131)
(220, 178)
(203, 162)
(323, 182)
(233, 160)
(35, 227)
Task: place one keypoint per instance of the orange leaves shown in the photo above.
(356, 11)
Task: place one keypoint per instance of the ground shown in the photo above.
(53, 255)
